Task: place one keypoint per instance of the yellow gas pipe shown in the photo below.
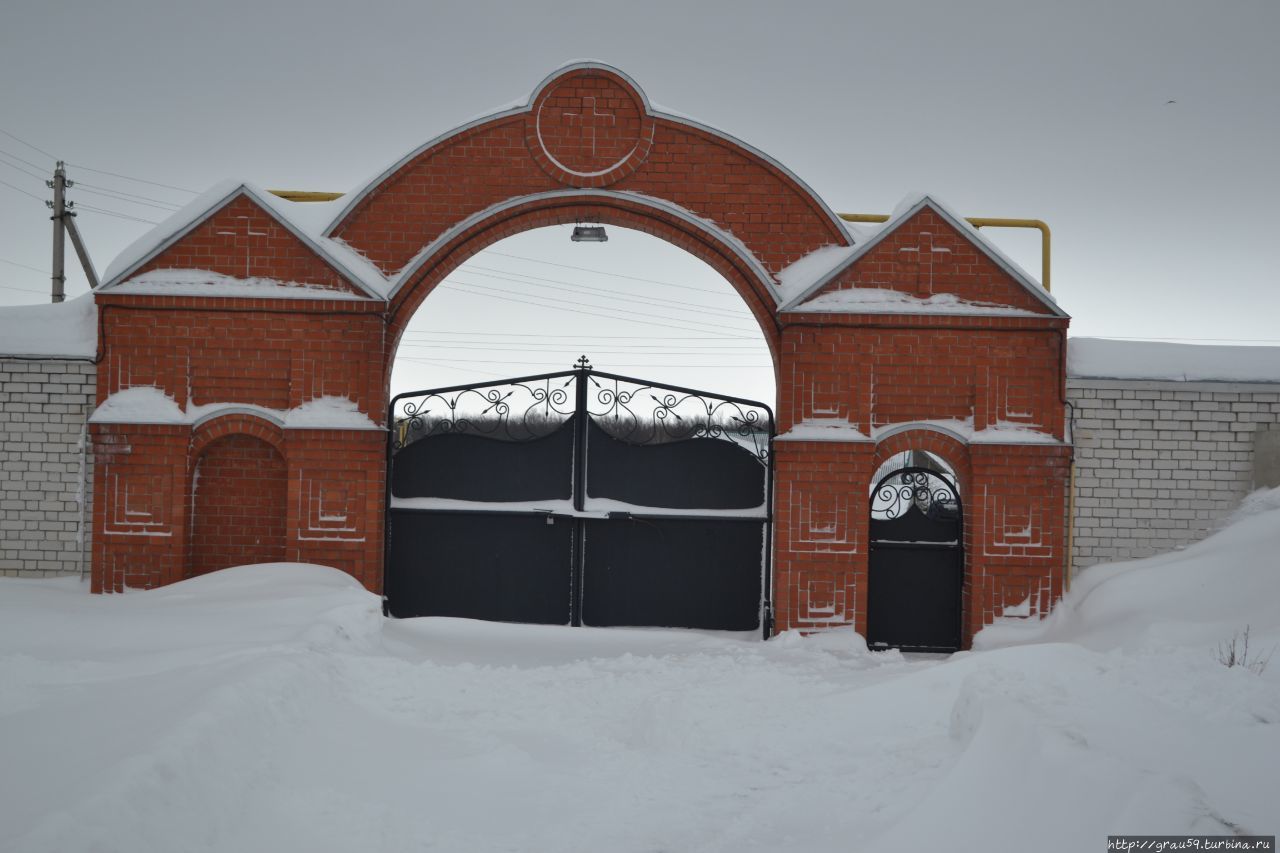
(975, 221)
(982, 222)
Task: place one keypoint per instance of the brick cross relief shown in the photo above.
(589, 118)
(248, 244)
(923, 257)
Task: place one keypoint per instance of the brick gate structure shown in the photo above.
(246, 354)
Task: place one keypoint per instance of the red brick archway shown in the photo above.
(749, 281)
(919, 331)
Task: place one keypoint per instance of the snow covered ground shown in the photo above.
(271, 708)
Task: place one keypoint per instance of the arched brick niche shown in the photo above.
(239, 491)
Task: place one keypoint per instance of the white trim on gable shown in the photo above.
(199, 215)
(963, 227)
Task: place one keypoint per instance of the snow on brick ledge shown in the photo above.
(1097, 358)
(871, 300)
(168, 282)
(838, 429)
(65, 330)
(150, 405)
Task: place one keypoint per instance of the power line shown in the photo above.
(579, 337)
(129, 178)
(24, 266)
(23, 289)
(594, 272)
(116, 214)
(504, 275)
(455, 284)
(162, 206)
(579, 310)
(448, 365)
(588, 290)
(28, 144)
(36, 175)
(131, 195)
(577, 307)
(571, 344)
(470, 265)
(21, 190)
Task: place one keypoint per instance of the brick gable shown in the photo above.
(924, 256)
(242, 240)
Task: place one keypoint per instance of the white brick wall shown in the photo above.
(1159, 463)
(44, 466)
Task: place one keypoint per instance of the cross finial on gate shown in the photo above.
(582, 363)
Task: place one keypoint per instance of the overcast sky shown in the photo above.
(1145, 134)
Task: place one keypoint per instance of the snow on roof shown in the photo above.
(907, 208)
(298, 218)
(65, 330)
(872, 300)
(1098, 358)
(839, 429)
(169, 282)
(816, 266)
(150, 405)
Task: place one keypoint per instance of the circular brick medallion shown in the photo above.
(589, 128)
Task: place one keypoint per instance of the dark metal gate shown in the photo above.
(580, 498)
(917, 562)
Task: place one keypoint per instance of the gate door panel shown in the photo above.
(692, 573)
(580, 498)
(916, 568)
(508, 568)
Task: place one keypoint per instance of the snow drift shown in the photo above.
(273, 708)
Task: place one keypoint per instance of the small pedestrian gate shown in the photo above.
(917, 562)
(580, 498)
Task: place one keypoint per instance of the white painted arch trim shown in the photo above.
(696, 223)
(920, 426)
(359, 196)
(986, 437)
(266, 415)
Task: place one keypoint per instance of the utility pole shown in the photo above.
(64, 223)
(59, 205)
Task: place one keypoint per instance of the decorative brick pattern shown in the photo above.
(45, 466)
(1160, 463)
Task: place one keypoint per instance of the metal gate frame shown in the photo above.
(912, 493)
(583, 375)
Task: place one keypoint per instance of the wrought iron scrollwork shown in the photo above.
(929, 492)
(630, 410)
(521, 410)
(639, 412)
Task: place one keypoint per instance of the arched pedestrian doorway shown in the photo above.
(916, 569)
